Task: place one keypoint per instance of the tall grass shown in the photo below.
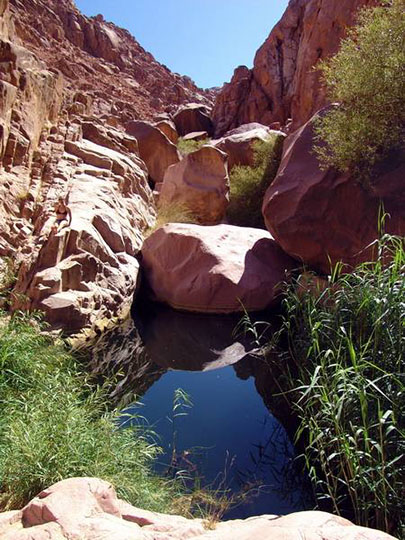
(248, 184)
(345, 381)
(54, 424)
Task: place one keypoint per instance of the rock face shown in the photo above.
(322, 217)
(193, 117)
(238, 144)
(219, 269)
(52, 146)
(89, 509)
(200, 184)
(283, 83)
(169, 129)
(155, 149)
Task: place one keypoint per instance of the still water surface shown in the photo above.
(227, 438)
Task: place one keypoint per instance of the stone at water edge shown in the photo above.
(322, 217)
(199, 183)
(89, 509)
(238, 144)
(217, 269)
(155, 149)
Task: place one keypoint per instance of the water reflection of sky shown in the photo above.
(227, 436)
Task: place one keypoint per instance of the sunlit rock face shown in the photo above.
(322, 217)
(283, 83)
(89, 508)
(217, 269)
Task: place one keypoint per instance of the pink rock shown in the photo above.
(169, 129)
(192, 117)
(199, 183)
(239, 143)
(155, 149)
(219, 269)
(322, 217)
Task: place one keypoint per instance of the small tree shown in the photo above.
(367, 78)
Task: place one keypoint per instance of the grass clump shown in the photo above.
(346, 383)
(249, 184)
(55, 424)
(186, 147)
(367, 78)
(171, 213)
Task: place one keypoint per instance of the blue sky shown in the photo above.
(204, 39)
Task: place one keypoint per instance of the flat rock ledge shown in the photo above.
(214, 269)
(89, 509)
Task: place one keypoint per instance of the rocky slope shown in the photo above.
(283, 83)
(103, 61)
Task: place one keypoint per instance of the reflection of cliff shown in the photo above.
(268, 376)
(190, 342)
(119, 354)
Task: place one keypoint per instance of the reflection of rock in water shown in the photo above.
(119, 354)
(188, 341)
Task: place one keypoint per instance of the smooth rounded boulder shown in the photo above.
(193, 117)
(199, 184)
(239, 143)
(169, 129)
(155, 149)
(322, 217)
(217, 269)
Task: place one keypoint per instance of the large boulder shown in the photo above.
(89, 509)
(155, 149)
(200, 184)
(239, 143)
(320, 216)
(218, 269)
(169, 129)
(193, 117)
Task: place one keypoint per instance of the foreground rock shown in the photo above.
(155, 149)
(322, 217)
(200, 184)
(193, 117)
(239, 143)
(220, 269)
(283, 83)
(89, 509)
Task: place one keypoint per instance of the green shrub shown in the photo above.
(187, 147)
(54, 424)
(249, 184)
(367, 78)
(344, 377)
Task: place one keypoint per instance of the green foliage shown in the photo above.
(248, 184)
(187, 147)
(175, 212)
(55, 424)
(367, 78)
(346, 383)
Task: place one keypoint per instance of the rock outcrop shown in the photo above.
(283, 83)
(89, 509)
(238, 143)
(218, 269)
(199, 183)
(322, 217)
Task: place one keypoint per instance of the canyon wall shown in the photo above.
(283, 83)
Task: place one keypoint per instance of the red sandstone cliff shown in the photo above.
(283, 83)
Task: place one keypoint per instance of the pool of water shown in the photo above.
(197, 380)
